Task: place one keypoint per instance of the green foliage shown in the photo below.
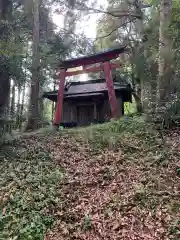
(130, 108)
(28, 184)
(140, 195)
(178, 171)
(175, 229)
(87, 222)
(111, 134)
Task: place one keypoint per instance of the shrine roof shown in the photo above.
(93, 58)
(86, 88)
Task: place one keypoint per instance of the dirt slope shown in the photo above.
(104, 186)
(114, 194)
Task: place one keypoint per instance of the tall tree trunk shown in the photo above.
(18, 107)
(41, 109)
(34, 113)
(12, 110)
(53, 104)
(4, 97)
(165, 57)
(22, 104)
(136, 92)
(5, 15)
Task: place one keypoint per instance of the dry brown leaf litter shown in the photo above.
(112, 194)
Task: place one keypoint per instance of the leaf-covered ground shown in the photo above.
(115, 181)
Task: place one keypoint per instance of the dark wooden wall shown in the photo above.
(84, 112)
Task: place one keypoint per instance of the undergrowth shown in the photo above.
(124, 132)
(28, 182)
(142, 144)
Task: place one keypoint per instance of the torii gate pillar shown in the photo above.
(60, 97)
(111, 92)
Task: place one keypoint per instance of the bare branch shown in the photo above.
(83, 7)
(117, 14)
(107, 35)
(115, 29)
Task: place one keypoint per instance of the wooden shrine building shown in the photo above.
(82, 103)
(87, 102)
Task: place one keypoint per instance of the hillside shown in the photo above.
(119, 180)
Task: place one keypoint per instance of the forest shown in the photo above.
(32, 46)
(116, 180)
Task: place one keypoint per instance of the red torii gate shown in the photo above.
(103, 59)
